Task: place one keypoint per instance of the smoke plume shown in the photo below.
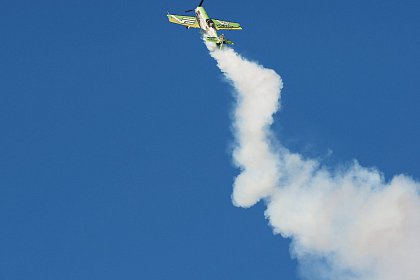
(344, 222)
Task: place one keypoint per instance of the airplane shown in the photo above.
(208, 26)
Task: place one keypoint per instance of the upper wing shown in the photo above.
(188, 21)
(226, 25)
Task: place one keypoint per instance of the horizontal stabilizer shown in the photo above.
(219, 40)
(229, 42)
(212, 39)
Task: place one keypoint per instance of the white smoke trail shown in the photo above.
(347, 223)
(258, 93)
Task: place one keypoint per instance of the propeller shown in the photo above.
(199, 5)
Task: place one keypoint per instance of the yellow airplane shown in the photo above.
(208, 25)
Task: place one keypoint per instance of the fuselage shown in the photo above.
(205, 22)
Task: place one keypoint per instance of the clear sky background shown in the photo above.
(115, 129)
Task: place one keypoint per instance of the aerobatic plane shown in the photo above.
(208, 25)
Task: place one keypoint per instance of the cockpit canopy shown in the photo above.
(210, 23)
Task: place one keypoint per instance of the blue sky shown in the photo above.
(115, 149)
